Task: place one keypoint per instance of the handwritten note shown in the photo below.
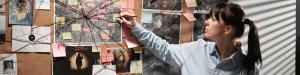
(107, 55)
(76, 27)
(58, 50)
(67, 35)
(136, 67)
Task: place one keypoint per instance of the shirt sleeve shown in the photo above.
(173, 54)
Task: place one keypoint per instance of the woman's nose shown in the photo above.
(206, 22)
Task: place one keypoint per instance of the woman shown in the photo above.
(220, 56)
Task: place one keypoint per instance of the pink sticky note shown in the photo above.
(110, 24)
(131, 42)
(189, 16)
(107, 55)
(94, 19)
(101, 10)
(82, 6)
(58, 50)
(86, 29)
(106, 2)
(101, 16)
(127, 6)
(90, 5)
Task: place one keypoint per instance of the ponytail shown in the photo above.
(253, 55)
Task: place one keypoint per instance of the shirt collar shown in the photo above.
(236, 57)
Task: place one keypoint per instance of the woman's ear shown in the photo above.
(229, 30)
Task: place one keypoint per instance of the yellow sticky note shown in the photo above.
(105, 35)
(88, 0)
(60, 20)
(72, 2)
(76, 27)
(96, 48)
(67, 35)
(115, 16)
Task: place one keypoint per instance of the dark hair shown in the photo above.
(232, 14)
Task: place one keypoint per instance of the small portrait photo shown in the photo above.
(8, 67)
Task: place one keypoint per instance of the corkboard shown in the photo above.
(40, 63)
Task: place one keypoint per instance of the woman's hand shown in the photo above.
(128, 19)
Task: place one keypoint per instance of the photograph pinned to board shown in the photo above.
(127, 61)
(79, 60)
(42, 4)
(20, 12)
(174, 5)
(8, 64)
(97, 29)
(2, 29)
(25, 40)
(104, 70)
(2, 6)
(166, 26)
(155, 66)
(206, 5)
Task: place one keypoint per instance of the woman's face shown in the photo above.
(214, 29)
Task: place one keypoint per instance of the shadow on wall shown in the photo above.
(297, 53)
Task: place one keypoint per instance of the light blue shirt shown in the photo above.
(194, 58)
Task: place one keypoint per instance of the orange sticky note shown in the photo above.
(191, 3)
(107, 55)
(189, 16)
(58, 50)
